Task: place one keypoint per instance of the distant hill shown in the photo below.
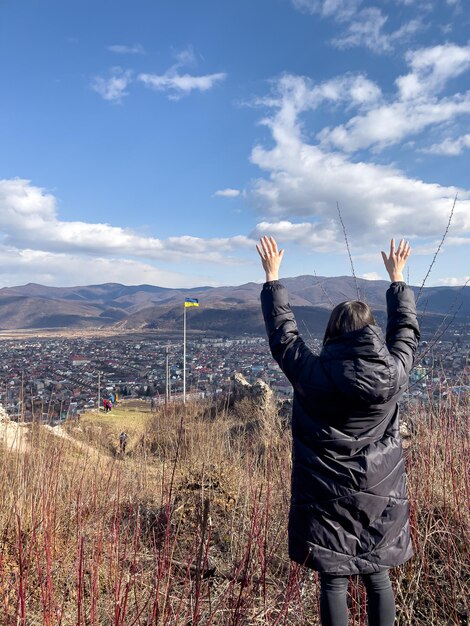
(228, 310)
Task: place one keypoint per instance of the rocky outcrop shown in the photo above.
(260, 392)
(3, 415)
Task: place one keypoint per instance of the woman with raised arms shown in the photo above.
(349, 510)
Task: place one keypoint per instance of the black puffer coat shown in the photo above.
(349, 504)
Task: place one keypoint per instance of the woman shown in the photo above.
(349, 506)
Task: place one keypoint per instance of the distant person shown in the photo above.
(153, 404)
(349, 511)
(123, 442)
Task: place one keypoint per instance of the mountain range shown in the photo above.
(229, 310)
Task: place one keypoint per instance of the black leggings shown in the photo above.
(380, 599)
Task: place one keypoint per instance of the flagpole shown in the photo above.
(167, 378)
(184, 354)
(99, 391)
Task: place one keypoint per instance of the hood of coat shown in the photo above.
(359, 365)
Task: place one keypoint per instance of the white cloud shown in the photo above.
(455, 240)
(453, 281)
(180, 84)
(431, 69)
(318, 237)
(368, 30)
(175, 83)
(446, 28)
(114, 87)
(377, 201)
(294, 94)
(339, 9)
(364, 25)
(22, 203)
(372, 276)
(28, 219)
(62, 269)
(227, 193)
(137, 48)
(390, 123)
(187, 56)
(415, 106)
(351, 88)
(450, 147)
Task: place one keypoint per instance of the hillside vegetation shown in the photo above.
(189, 527)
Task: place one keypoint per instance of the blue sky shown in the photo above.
(154, 142)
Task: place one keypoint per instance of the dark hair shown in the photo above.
(348, 316)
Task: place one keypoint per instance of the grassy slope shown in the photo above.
(190, 526)
(103, 429)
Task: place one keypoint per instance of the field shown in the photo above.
(189, 526)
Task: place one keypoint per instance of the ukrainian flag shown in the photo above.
(191, 302)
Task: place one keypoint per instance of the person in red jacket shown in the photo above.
(349, 511)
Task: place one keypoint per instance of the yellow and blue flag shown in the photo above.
(191, 302)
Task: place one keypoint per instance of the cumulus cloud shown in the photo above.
(137, 48)
(113, 88)
(415, 105)
(431, 69)
(294, 94)
(354, 89)
(306, 180)
(227, 193)
(389, 124)
(61, 269)
(318, 237)
(450, 147)
(29, 220)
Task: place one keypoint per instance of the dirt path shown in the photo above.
(15, 437)
(58, 431)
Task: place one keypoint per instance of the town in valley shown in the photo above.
(52, 378)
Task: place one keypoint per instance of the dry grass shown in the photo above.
(189, 528)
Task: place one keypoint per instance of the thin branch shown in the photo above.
(349, 251)
(438, 248)
(308, 330)
(438, 334)
(320, 283)
(423, 310)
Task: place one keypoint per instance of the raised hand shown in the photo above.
(271, 257)
(396, 261)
